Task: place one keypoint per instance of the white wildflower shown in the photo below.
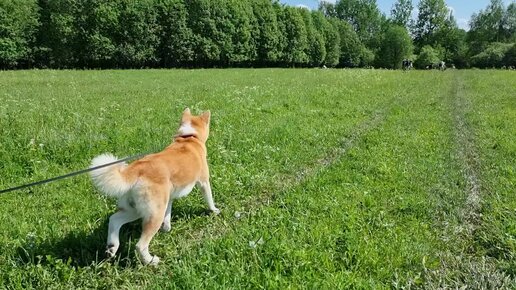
(254, 244)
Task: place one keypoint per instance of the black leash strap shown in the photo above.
(71, 174)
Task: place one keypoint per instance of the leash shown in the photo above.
(72, 173)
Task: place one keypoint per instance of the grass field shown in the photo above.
(326, 179)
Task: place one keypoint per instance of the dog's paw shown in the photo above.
(166, 227)
(110, 251)
(215, 211)
(154, 261)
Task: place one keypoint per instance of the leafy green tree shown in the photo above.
(510, 57)
(427, 57)
(315, 50)
(493, 56)
(350, 33)
(121, 33)
(353, 53)
(487, 25)
(296, 37)
(204, 28)
(138, 35)
(452, 42)
(327, 8)
(431, 18)
(491, 25)
(396, 46)
(281, 47)
(176, 38)
(222, 32)
(58, 39)
(98, 25)
(401, 13)
(18, 24)
(365, 18)
(509, 23)
(266, 33)
(366, 57)
(224, 29)
(243, 48)
(331, 38)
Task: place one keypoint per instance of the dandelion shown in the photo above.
(254, 244)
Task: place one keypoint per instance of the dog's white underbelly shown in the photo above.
(181, 191)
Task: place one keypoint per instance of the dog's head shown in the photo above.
(198, 126)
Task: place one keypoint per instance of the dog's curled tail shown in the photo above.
(110, 179)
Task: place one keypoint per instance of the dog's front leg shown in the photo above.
(206, 192)
(165, 226)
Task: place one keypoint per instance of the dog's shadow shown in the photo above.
(87, 248)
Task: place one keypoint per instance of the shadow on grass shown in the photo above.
(87, 248)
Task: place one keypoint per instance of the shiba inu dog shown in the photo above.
(146, 188)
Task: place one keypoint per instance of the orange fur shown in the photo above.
(146, 187)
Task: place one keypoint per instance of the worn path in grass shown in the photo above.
(490, 117)
(461, 264)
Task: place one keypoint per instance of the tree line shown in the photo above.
(248, 33)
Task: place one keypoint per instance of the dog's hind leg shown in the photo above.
(116, 221)
(206, 192)
(153, 214)
(151, 226)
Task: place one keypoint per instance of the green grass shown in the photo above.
(492, 118)
(327, 179)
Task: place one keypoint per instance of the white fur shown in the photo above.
(187, 129)
(206, 192)
(183, 191)
(109, 179)
(116, 221)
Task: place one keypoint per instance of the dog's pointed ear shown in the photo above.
(186, 115)
(206, 116)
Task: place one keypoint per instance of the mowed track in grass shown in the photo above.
(325, 178)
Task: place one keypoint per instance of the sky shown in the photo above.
(463, 9)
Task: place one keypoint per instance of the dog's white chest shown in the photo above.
(181, 191)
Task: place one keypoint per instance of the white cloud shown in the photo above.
(328, 1)
(451, 10)
(463, 23)
(303, 6)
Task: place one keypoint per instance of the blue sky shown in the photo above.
(462, 8)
